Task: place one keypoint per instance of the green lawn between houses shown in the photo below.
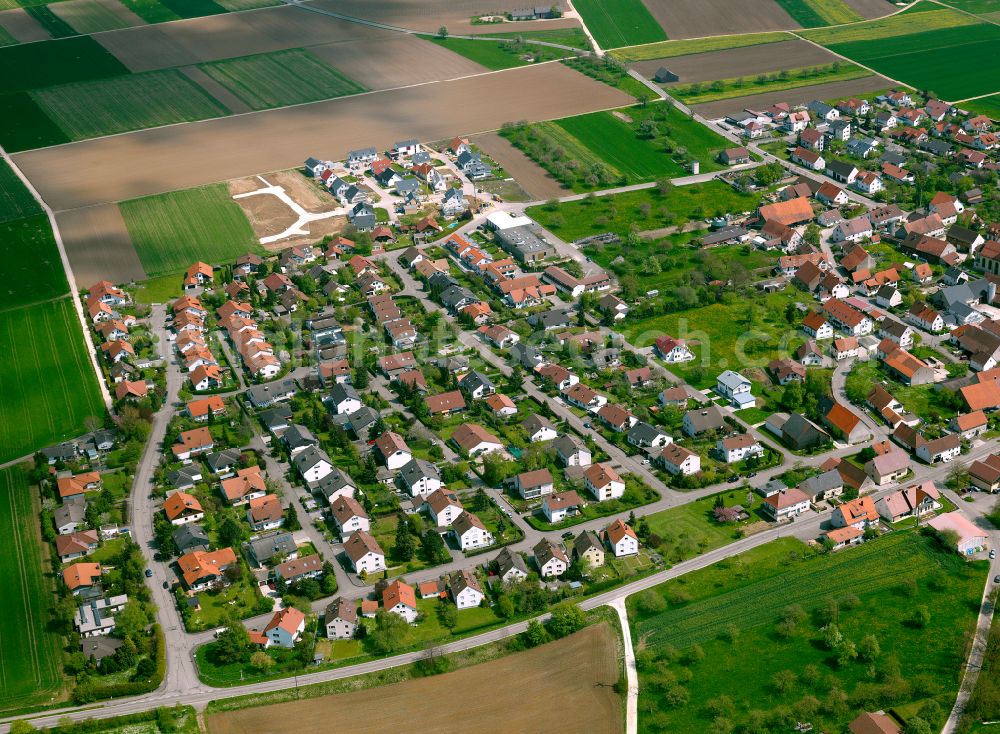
(617, 213)
(30, 661)
(171, 231)
(701, 633)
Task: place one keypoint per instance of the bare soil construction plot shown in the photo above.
(270, 216)
(528, 174)
(697, 18)
(193, 154)
(520, 690)
(99, 246)
(735, 62)
(429, 15)
(93, 16)
(230, 35)
(396, 61)
(22, 26)
(799, 95)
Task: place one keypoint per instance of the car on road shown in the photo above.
(166, 584)
(996, 579)
(993, 554)
(567, 535)
(734, 478)
(149, 573)
(587, 424)
(644, 462)
(751, 475)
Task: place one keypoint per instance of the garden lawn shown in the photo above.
(576, 219)
(279, 79)
(171, 231)
(615, 23)
(742, 333)
(48, 389)
(217, 606)
(923, 400)
(814, 13)
(886, 579)
(685, 47)
(690, 529)
(110, 106)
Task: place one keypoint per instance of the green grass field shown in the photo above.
(739, 333)
(6, 39)
(979, 7)
(616, 143)
(48, 389)
(109, 106)
(56, 26)
(786, 672)
(194, 8)
(33, 271)
(615, 23)
(94, 17)
(935, 60)
(16, 202)
(23, 124)
(30, 661)
(282, 78)
(151, 11)
(575, 219)
(989, 106)
(686, 47)
(564, 36)
(45, 63)
(171, 231)
(815, 13)
(496, 55)
(778, 82)
(920, 18)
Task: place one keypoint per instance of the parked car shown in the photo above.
(149, 573)
(993, 554)
(567, 535)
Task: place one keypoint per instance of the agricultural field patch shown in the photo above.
(49, 389)
(46, 63)
(98, 245)
(700, 18)
(574, 37)
(171, 231)
(234, 6)
(934, 60)
(579, 671)
(922, 17)
(815, 13)
(109, 106)
(194, 8)
(6, 39)
(989, 106)
(187, 156)
(33, 271)
(761, 618)
(798, 95)
(16, 202)
(281, 79)
(393, 65)
(56, 26)
(30, 661)
(496, 55)
(94, 16)
(615, 23)
(979, 7)
(22, 27)
(24, 125)
(671, 49)
(781, 81)
(151, 11)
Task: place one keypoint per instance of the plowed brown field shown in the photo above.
(183, 156)
(565, 686)
(697, 18)
(99, 246)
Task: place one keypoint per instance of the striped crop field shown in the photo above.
(108, 106)
(48, 388)
(280, 79)
(904, 24)
(171, 231)
(30, 660)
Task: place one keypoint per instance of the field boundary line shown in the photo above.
(70, 277)
(850, 60)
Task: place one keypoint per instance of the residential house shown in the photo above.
(365, 554)
(442, 506)
(469, 532)
(912, 501)
(888, 467)
(559, 506)
(857, 513)
(571, 451)
(620, 539)
(550, 558)
(400, 598)
(785, 505)
(341, 619)
(602, 481)
(465, 589)
(736, 388)
(533, 484)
